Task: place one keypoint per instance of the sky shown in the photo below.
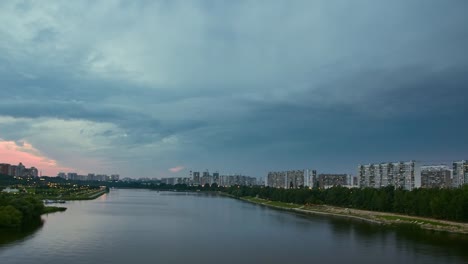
(159, 88)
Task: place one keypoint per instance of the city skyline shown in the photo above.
(155, 88)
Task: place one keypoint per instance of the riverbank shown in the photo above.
(53, 209)
(368, 216)
(88, 195)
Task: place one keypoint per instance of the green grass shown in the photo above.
(53, 209)
(272, 203)
(281, 204)
(394, 219)
(84, 195)
(412, 220)
(254, 199)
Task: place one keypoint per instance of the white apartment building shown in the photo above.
(406, 175)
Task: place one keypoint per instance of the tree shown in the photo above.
(10, 216)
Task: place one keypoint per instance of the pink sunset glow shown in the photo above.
(176, 169)
(14, 153)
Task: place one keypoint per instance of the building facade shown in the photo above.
(439, 176)
(329, 180)
(206, 178)
(20, 170)
(5, 169)
(215, 178)
(196, 178)
(233, 180)
(291, 179)
(406, 175)
(460, 173)
(177, 180)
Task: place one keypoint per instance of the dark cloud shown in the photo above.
(243, 86)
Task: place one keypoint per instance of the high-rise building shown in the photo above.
(292, 179)
(206, 178)
(277, 179)
(406, 175)
(13, 170)
(196, 178)
(5, 169)
(33, 172)
(91, 177)
(355, 181)
(215, 178)
(329, 180)
(176, 180)
(102, 177)
(72, 176)
(233, 180)
(460, 173)
(170, 181)
(20, 170)
(436, 176)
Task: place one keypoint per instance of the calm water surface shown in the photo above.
(141, 226)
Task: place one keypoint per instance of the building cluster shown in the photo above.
(73, 176)
(196, 178)
(21, 171)
(406, 175)
(291, 178)
(438, 176)
(307, 178)
(18, 170)
(409, 175)
(177, 180)
(233, 180)
(460, 173)
(329, 180)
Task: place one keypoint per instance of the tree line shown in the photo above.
(17, 210)
(448, 204)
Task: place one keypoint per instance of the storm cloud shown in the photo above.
(141, 88)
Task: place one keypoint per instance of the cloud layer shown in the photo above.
(12, 152)
(243, 86)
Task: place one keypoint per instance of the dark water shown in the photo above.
(140, 226)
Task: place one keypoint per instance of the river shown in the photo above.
(142, 226)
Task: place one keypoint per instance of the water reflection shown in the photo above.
(408, 238)
(163, 227)
(8, 236)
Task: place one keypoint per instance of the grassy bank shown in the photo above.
(87, 195)
(368, 216)
(53, 209)
(280, 205)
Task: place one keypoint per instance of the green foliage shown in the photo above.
(19, 209)
(448, 204)
(10, 216)
(53, 209)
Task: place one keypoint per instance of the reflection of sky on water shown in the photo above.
(142, 225)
